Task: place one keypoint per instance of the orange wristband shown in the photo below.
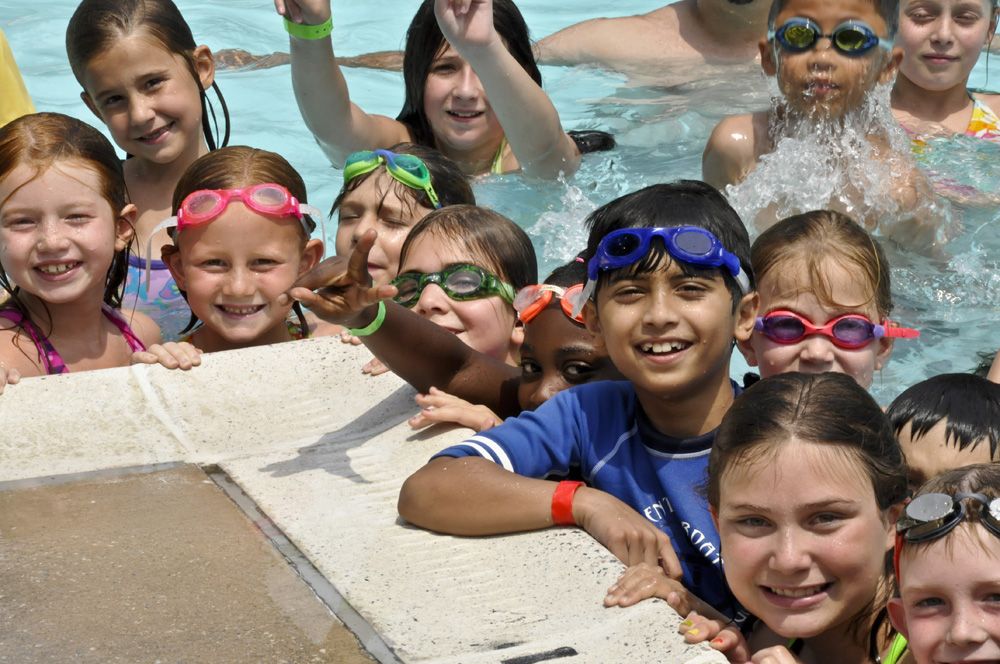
(562, 503)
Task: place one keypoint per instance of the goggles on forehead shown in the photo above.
(932, 515)
(459, 282)
(852, 38)
(202, 206)
(849, 331)
(532, 300)
(689, 244)
(406, 168)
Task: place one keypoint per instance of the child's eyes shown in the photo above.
(154, 82)
(212, 264)
(828, 519)
(967, 18)
(692, 288)
(264, 263)
(577, 372)
(18, 222)
(928, 603)
(530, 369)
(752, 522)
(443, 68)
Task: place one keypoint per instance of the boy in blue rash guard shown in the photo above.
(671, 291)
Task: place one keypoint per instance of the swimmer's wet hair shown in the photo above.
(493, 241)
(570, 274)
(681, 203)
(449, 182)
(424, 41)
(970, 404)
(811, 238)
(887, 9)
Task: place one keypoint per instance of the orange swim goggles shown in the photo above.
(531, 300)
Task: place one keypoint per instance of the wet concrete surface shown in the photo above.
(151, 566)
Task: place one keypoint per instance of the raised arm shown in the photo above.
(529, 120)
(340, 126)
(423, 354)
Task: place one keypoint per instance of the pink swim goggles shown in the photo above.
(202, 206)
(850, 331)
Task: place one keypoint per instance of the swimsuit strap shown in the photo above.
(984, 123)
(47, 354)
(497, 167)
(296, 330)
(896, 650)
(134, 342)
(795, 645)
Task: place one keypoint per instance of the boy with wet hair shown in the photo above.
(947, 422)
(671, 290)
(830, 126)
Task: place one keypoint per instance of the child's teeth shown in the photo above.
(665, 347)
(796, 592)
(56, 269)
(242, 311)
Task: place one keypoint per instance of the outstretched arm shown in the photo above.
(609, 42)
(340, 126)
(474, 496)
(339, 290)
(529, 120)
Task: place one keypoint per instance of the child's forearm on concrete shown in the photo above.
(473, 496)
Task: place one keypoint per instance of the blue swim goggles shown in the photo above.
(406, 168)
(852, 38)
(688, 244)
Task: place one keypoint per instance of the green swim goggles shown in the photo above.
(405, 168)
(459, 282)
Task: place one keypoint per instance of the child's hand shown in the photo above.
(438, 406)
(641, 582)
(466, 23)
(631, 537)
(172, 355)
(308, 12)
(375, 367)
(339, 289)
(348, 338)
(775, 655)
(721, 636)
(8, 376)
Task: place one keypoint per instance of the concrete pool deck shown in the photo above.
(321, 450)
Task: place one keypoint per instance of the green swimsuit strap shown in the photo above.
(497, 167)
(896, 650)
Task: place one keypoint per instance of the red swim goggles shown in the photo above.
(202, 206)
(531, 300)
(850, 331)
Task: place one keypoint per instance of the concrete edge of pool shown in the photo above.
(321, 450)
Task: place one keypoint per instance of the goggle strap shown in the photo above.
(315, 213)
(586, 294)
(742, 280)
(169, 222)
(893, 332)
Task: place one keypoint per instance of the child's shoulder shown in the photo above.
(990, 99)
(144, 327)
(17, 350)
(733, 148)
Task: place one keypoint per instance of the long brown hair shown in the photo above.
(41, 140)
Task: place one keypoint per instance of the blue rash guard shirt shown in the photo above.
(601, 429)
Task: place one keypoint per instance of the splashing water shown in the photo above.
(839, 164)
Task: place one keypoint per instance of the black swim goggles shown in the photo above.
(459, 282)
(852, 38)
(933, 515)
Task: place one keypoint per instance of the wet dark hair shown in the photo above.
(97, 25)
(829, 409)
(568, 274)
(681, 203)
(40, 141)
(887, 9)
(239, 166)
(423, 43)
(505, 248)
(450, 184)
(970, 404)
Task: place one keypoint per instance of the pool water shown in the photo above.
(661, 130)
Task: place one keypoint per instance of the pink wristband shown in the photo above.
(562, 503)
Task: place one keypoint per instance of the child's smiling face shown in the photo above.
(822, 81)
(668, 332)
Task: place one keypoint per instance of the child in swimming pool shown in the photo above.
(825, 299)
(476, 390)
(941, 42)
(829, 57)
(390, 191)
(803, 481)
(945, 422)
(242, 239)
(947, 561)
(65, 227)
(145, 78)
(457, 53)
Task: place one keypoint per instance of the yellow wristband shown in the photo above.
(302, 31)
